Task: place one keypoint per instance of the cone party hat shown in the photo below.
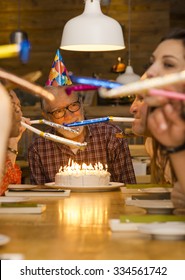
(58, 75)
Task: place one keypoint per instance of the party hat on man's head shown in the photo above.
(58, 75)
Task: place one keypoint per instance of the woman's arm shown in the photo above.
(178, 196)
(13, 143)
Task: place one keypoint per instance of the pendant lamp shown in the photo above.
(129, 76)
(92, 31)
(18, 36)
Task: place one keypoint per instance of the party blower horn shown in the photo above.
(30, 77)
(143, 85)
(55, 138)
(26, 85)
(99, 120)
(22, 50)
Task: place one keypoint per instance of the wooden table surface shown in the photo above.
(76, 228)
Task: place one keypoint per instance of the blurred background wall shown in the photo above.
(44, 20)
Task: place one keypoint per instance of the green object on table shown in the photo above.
(18, 204)
(143, 186)
(151, 218)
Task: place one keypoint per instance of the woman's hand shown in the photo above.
(22, 129)
(178, 196)
(167, 125)
(13, 141)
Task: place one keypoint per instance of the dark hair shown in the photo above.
(176, 34)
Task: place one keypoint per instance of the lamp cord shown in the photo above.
(129, 31)
(19, 18)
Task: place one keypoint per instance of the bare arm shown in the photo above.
(178, 196)
(13, 143)
(5, 125)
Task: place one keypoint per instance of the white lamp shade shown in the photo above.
(128, 77)
(92, 31)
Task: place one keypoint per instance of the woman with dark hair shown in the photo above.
(168, 57)
(167, 121)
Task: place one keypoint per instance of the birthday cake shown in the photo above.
(76, 175)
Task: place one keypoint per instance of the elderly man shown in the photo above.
(104, 143)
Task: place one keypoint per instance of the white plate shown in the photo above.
(111, 187)
(156, 190)
(116, 225)
(164, 231)
(153, 206)
(4, 239)
(5, 199)
(11, 256)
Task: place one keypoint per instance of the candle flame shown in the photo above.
(74, 167)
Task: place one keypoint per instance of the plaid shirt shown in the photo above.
(103, 145)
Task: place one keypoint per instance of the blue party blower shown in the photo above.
(99, 120)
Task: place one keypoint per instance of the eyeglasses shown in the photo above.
(72, 108)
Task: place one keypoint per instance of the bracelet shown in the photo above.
(173, 150)
(13, 151)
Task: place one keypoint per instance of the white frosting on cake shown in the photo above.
(82, 176)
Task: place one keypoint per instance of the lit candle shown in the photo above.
(75, 168)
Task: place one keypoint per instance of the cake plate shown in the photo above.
(112, 186)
